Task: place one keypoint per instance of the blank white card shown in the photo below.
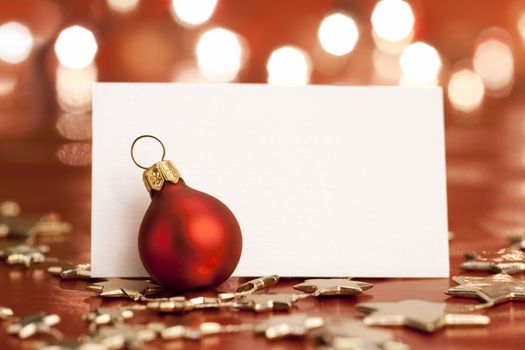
(324, 180)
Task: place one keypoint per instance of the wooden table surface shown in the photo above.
(45, 171)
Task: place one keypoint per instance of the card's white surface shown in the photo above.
(324, 180)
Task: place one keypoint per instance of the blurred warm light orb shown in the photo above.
(338, 34)
(494, 62)
(521, 25)
(123, 6)
(393, 20)
(7, 85)
(465, 90)
(75, 153)
(386, 68)
(74, 87)
(420, 65)
(219, 55)
(74, 126)
(16, 42)
(76, 47)
(193, 12)
(288, 66)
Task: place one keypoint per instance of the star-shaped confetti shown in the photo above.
(182, 304)
(352, 334)
(25, 327)
(5, 312)
(24, 254)
(195, 333)
(124, 336)
(124, 288)
(332, 286)
(509, 260)
(24, 227)
(493, 289)
(251, 287)
(294, 325)
(265, 302)
(418, 314)
(107, 315)
(68, 272)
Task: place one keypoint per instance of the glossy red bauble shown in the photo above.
(188, 239)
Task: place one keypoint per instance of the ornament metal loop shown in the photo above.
(141, 137)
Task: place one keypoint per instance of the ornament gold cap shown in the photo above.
(156, 175)
(160, 172)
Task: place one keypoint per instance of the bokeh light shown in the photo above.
(7, 85)
(521, 24)
(420, 65)
(494, 62)
(193, 12)
(16, 42)
(386, 68)
(74, 87)
(465, 90)
(219, 55)
(338, 34)
(123, 6)
(74, 126)
(76, 47)
(75, 153)
(288, 66)
(393, 20)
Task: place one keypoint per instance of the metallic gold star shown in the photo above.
(352, 334)
(493, 289)
(68, 272)
(418, 314)
(106, 315)
(124, 336)
(5, 312)
(181, 304)
(24, 227)
(333, 286)
(194, 333)
(23, 254)
(509, 260)
(27, 326)
(265, 302)
(294, 325)
(251, 287)
(124, 288)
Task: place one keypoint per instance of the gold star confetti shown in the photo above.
(418, 314)
(24, 227)
(266, 302)
(23, 254)
(181, 304)
(124, 288)
(509, 260)
(5, 312)
(352, 334)
(68, 272)
(251, 287)
(107, 315)
(333, 286)
(493, 289)
(195, 333)
(41, 323)
(294, 325)
(124, 336)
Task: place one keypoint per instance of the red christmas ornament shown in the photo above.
(187, 239)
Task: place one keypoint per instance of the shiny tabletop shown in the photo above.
(45, 157)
